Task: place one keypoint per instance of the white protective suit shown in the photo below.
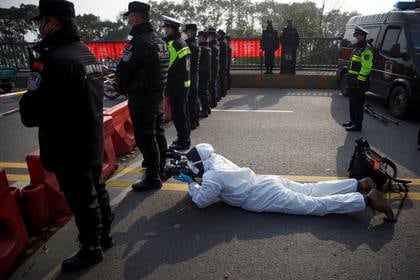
(241, 187)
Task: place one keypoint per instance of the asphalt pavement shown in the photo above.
(296, 133)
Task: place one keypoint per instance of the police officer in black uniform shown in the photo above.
(193, 104)
(142, 75)
(204, 74)
(289, 39)
(357, 78)
(214, 85)
(269, 44)
(65, 101)
(178, 82)
(223, 63)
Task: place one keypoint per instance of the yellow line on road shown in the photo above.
(13, 165)
(18, 178)
(128, 170)
(137, 171)
(180, 187)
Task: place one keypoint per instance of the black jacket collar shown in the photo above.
(203, 44)
(141, 28)
(67, 34)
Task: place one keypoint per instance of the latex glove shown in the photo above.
(183, 178)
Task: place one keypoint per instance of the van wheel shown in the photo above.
(398, 102)
(343, 88)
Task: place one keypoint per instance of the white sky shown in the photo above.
(109, 9)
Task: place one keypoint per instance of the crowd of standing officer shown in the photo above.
(65, 76)
(191, 73)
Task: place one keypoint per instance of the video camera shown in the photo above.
(175, 164)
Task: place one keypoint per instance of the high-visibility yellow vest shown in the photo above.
(174, 55)
(361, 63)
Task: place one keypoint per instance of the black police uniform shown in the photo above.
(65, 101)
(178, 86)
(142, 75)
(223, 64)
(193, 104)
(205, 71)
(290, 41)
(269, 44)
(214, 46)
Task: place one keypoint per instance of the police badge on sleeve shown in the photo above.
(34, 81)
(127, 52)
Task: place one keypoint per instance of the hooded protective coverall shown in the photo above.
(241, 187)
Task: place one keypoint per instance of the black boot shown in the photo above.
(347, 124)
(180, 145)
(150, 181)
(87, 255)
(354, 128)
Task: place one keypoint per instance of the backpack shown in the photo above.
(366, 162)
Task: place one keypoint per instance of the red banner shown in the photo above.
(247, 48)
(240, 48)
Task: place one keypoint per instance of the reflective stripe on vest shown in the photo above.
(361, 64)
(173, 54)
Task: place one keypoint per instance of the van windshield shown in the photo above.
(415, 36)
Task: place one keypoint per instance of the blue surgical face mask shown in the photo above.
(354, 41)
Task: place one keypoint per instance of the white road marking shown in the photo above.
(253, 111)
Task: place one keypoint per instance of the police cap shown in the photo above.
(60, 8)
(211, 31)
(360, 30)
(191, 27)
(203, 33)
(137, 7)
(169, 21)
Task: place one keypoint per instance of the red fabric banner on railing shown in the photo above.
(240, 48)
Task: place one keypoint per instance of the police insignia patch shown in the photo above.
(127, 53)
(34, 81)
(366, 57)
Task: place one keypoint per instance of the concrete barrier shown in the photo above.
(305, 80)
(254, 79)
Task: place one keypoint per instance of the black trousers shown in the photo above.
(357, 104)
(193, 105)
(418, 139)
(288, 60)
(180, 116)
(204, 95)
(269, 60)
(229, 79)
(213, 90)
(223, 82)
(89, 201)
(146, 113)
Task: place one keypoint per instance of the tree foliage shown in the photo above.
(240, 18)
(16, 22)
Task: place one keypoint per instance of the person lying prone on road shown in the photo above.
(241, 187)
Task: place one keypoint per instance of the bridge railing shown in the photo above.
(312, 53)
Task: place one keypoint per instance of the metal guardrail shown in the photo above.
(312, 53)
